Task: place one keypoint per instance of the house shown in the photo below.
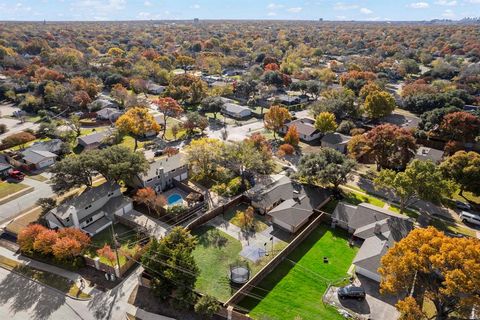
(289, 100)
(5, 166)
(336, 141)
(38, 159)
(93, 140)
(289, 205)
(56, 146)
(109, 114)
(101, 103)
(424, 153)
(236, 111)
(153, 88)
(92, 211)
(378, 229)
(305, 128)
(162, 173)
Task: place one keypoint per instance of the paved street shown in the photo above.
(12, 208)
(21, 298)
(15, 126)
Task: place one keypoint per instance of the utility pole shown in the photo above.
(114, 243)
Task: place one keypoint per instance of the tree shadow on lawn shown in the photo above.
(24, 294)
(277, 274)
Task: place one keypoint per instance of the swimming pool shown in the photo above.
(174, 199)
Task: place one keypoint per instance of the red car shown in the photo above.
(17, 175)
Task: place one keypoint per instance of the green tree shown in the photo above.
(325, 122)
(463, 168)
(340, 102)
(421, 180)
(72, 172)
(203, 156)
(207, 306)
(379, 104)
(170, 263)
(213, 105)
(326, 167)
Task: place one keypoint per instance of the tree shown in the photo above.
(137, 121)
(76, 234)
(325, 122)
(26, 237)
(410, 310)
(107, 252)
(326, 167)
(207, 306)
(47, 204)
(17, 139)
(72, 172)
(213, 105)
(149, 198)
(292, 137)
(245, 218)
(187, 88)
(275, 118)
(194, 121)
(391, 146)
(463, 168)
(184, 62)
(379, 104)
(75, 125)
(340, 102)
(440, 268)
(170, 108)
(170, 263)
(203, 156)
(45, 241)
(461, 126)
(119, 93)
(66, 248)
(421, 180)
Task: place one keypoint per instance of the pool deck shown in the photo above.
(173, 191)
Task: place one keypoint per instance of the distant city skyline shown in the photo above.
(360, 10)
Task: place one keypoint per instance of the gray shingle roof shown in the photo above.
(35, 156)
(304, 126)
(235, 108)
(335, 138)
(168, 164)
(97, 137)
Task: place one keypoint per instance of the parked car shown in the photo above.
(351, 292)
(470, 217)
(16, 175)
(158, 152)
(463, 205)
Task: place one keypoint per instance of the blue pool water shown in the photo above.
(174, 199)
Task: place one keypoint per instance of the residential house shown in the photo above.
(101, 103)
(109, 114)
(305, 128)
(336, 141)
(56, 146)
(434, 155)
(38, 159)
(5, 166)
(162, 173)
(236, 111)
(378, 229)
(289, 100)
(94, 140)
(92, 211)
(288, 204)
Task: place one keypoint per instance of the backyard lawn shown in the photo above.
(296, 286)
(125, 235)
(214, 253)
(7, 188)
(356, 198)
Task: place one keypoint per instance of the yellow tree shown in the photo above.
(275, 118)
(431, 265)
(325, 122)
(137, 121)
(203, 155)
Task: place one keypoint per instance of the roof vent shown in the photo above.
(377, 229)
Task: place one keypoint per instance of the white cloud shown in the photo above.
(295, 9)
(273, 6)
(448, 14)
(446, 3)
(366, 11)
(271, 14)
(344, 6)
(419, 5)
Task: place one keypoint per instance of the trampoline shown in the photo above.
(239, 274)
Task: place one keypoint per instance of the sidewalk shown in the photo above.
(49, 268)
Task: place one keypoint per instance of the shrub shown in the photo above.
(220, 188)
(17, 139)
(27, 236)
(3, 128)
(287, 149)
(207, 306)
(234, 186)
(345, 126)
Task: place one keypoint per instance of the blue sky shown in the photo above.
(377, 10)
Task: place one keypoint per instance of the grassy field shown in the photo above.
(296, 286)
(125, 235)
(356, 198)
(58, 282)
(259, 221)
(7, 188)
(19, 223)
(214, 260)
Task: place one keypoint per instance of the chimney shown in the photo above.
(73, 212)
(377, 229)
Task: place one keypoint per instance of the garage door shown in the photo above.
(367, 273)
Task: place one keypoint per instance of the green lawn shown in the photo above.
(214, 261)
(452, 227)
(259, 221)
(125, 235)
(7, 188)
(296, 286)
(409, 212)
(356, 198)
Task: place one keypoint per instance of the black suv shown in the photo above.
(351, 291)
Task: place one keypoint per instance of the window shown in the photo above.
(88, 207)
(89, 220)
(68, 219)
(110, 194)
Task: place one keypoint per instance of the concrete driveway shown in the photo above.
(375, 306)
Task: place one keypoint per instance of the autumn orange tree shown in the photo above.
(275, 118)
(292, 137)
(149, 198)
(170, 108)
(45, 241)
(431, 265)
(137, 121)
(66, 248)
(107, 252)
(26, 237)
